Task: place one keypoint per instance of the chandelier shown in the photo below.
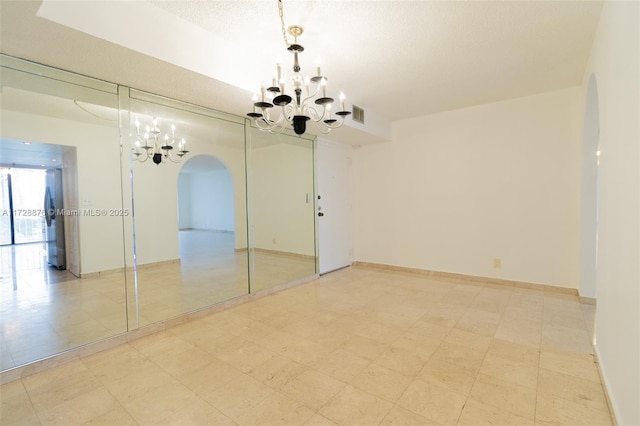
(309, 100)
(152, 144)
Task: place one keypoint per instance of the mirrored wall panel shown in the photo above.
(62, 282)
(121, 209)
(282, 208)
(190, 216)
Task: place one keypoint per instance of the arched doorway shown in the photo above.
(206, 219)
(589, 204)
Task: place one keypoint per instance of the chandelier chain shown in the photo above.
(284, 31)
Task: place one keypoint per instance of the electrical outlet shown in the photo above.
(497, 263)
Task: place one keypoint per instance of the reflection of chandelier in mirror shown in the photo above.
(296, 110)
(152, 145)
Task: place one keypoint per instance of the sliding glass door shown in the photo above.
(6, 217)
(22, 196)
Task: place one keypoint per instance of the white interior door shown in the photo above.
(334, 206)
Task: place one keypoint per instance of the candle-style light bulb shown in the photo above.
(342, 98)
(307, 82)
(282, 86)
(254, 98)
(137, 122)
(323, 83)
(279, 68)
(318, 63)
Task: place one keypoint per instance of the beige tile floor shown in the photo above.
(44, 311)
(356, 347)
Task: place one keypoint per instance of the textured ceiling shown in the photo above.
(398, 58)
(409, 58)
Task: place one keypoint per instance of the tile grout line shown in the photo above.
(36, 411)
(430, 356)
(544, 308)
(483, 360)
(107, 389)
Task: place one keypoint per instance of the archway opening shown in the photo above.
(206, 218)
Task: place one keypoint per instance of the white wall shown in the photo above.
(212, 201)
(615, 64)
(184, 201)
(455, 190)
(98, 163)
(282, 197)
(155, 207)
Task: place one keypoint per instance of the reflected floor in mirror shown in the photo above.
(360, 346)
(210, 271)
(45, 311)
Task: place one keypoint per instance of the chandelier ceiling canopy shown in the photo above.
(309, 100)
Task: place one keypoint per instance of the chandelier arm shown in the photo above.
(307, 104)
(284, 119)
(138, 151)
(135, 154)
(277, 130)
(310, 97)
(259, 125)
(274, 127)
(269, 122)
(265, 125)
(288, 111)
(265, 116)
(330, 126)
(315, 115)
(339, 123)
(334, 125)
(138, 156)
(170, 157)
(312, 113)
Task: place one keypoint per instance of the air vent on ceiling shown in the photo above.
(358, 114)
